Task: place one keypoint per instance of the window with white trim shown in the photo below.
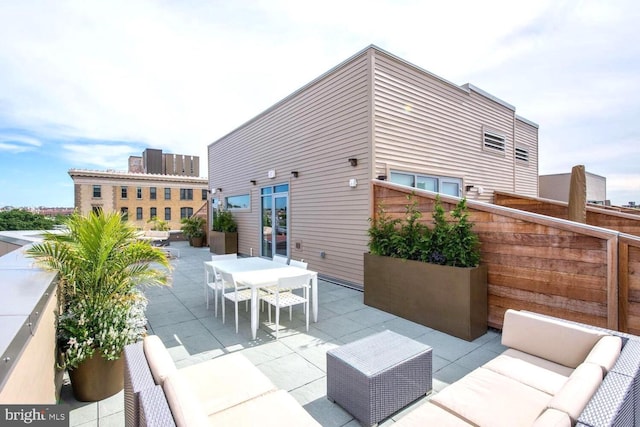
(522, 154)
(439, 184)
(493, 141)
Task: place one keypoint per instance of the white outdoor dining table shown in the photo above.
(258, 273)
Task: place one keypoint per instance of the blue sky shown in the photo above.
(86, 84)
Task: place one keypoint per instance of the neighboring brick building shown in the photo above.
(141, 196)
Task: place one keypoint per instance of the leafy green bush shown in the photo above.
(449, 242)
(18, 219)
(223, 221)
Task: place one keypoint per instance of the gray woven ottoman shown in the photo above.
(378, 375)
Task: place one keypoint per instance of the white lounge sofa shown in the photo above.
(554, 373)
(227, 390)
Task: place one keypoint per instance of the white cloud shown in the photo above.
(15, 143)
(102, 155)
(179, 75)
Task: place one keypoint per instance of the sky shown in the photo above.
(85, 84)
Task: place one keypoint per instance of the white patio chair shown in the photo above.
(299, 264)
(236, 293)
(281, 259)
(284, 297)
(213, 281)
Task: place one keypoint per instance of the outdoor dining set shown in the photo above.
(278, 282)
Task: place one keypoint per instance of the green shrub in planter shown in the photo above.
(449, 242)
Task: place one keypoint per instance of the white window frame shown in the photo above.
(440, 180)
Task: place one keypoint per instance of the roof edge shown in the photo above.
(489, 96)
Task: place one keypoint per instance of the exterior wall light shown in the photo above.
(294, 174)
(253, 182)
(382, 177)
(353, 162)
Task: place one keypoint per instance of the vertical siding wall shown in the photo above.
(426, 125)
(526, 173)
(599, 217)
(534, 263)
(314, 132)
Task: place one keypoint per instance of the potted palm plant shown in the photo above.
(193, 230)
(429, 275)
(100, 264)
(223, 238)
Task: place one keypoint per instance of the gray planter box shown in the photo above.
(223, 243)
(449, 299)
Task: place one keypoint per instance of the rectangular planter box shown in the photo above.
(452, 300)
(223, 243)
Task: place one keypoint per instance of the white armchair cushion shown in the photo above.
(550, 339)
(487, 398)
(553, 418)
(605, 353)
(159, 360)
(225, 381)
(533, 371)
(184, 405)
(578, 390)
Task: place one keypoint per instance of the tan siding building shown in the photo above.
(556, 187)
(140, 196)
(372, 116)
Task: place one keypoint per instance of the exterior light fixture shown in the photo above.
(253, 182)
(219, 190)
(294, 174)
(468, 188)
(382, 177)
(353, 162)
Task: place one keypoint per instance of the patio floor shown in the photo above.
(297, 361)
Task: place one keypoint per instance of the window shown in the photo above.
(186, 194)
(437, 184)
(97, 191)
(138, 213)
(204, 194)
(124, 212)
(167, 194)
(152, 193)
(238, 202)
(123, 192)
(493, 141)
(522, 154)
(96, 209)
(153, 213)
(167, 214)
(186, 212)
(139, 193)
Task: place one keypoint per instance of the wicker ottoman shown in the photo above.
(378, 375)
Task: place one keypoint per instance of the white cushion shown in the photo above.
(159, 360)
(225, 381)
(578, 390)
(533, 371)
(272, 409)
(429, 414)
(487, 398)
(553, 418)
(184, 405)
(605, 353)
(560, 342)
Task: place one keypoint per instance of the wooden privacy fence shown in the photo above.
(624, 220)
(543, 264)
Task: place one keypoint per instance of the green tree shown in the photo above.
(18, 219)
(100, 263)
